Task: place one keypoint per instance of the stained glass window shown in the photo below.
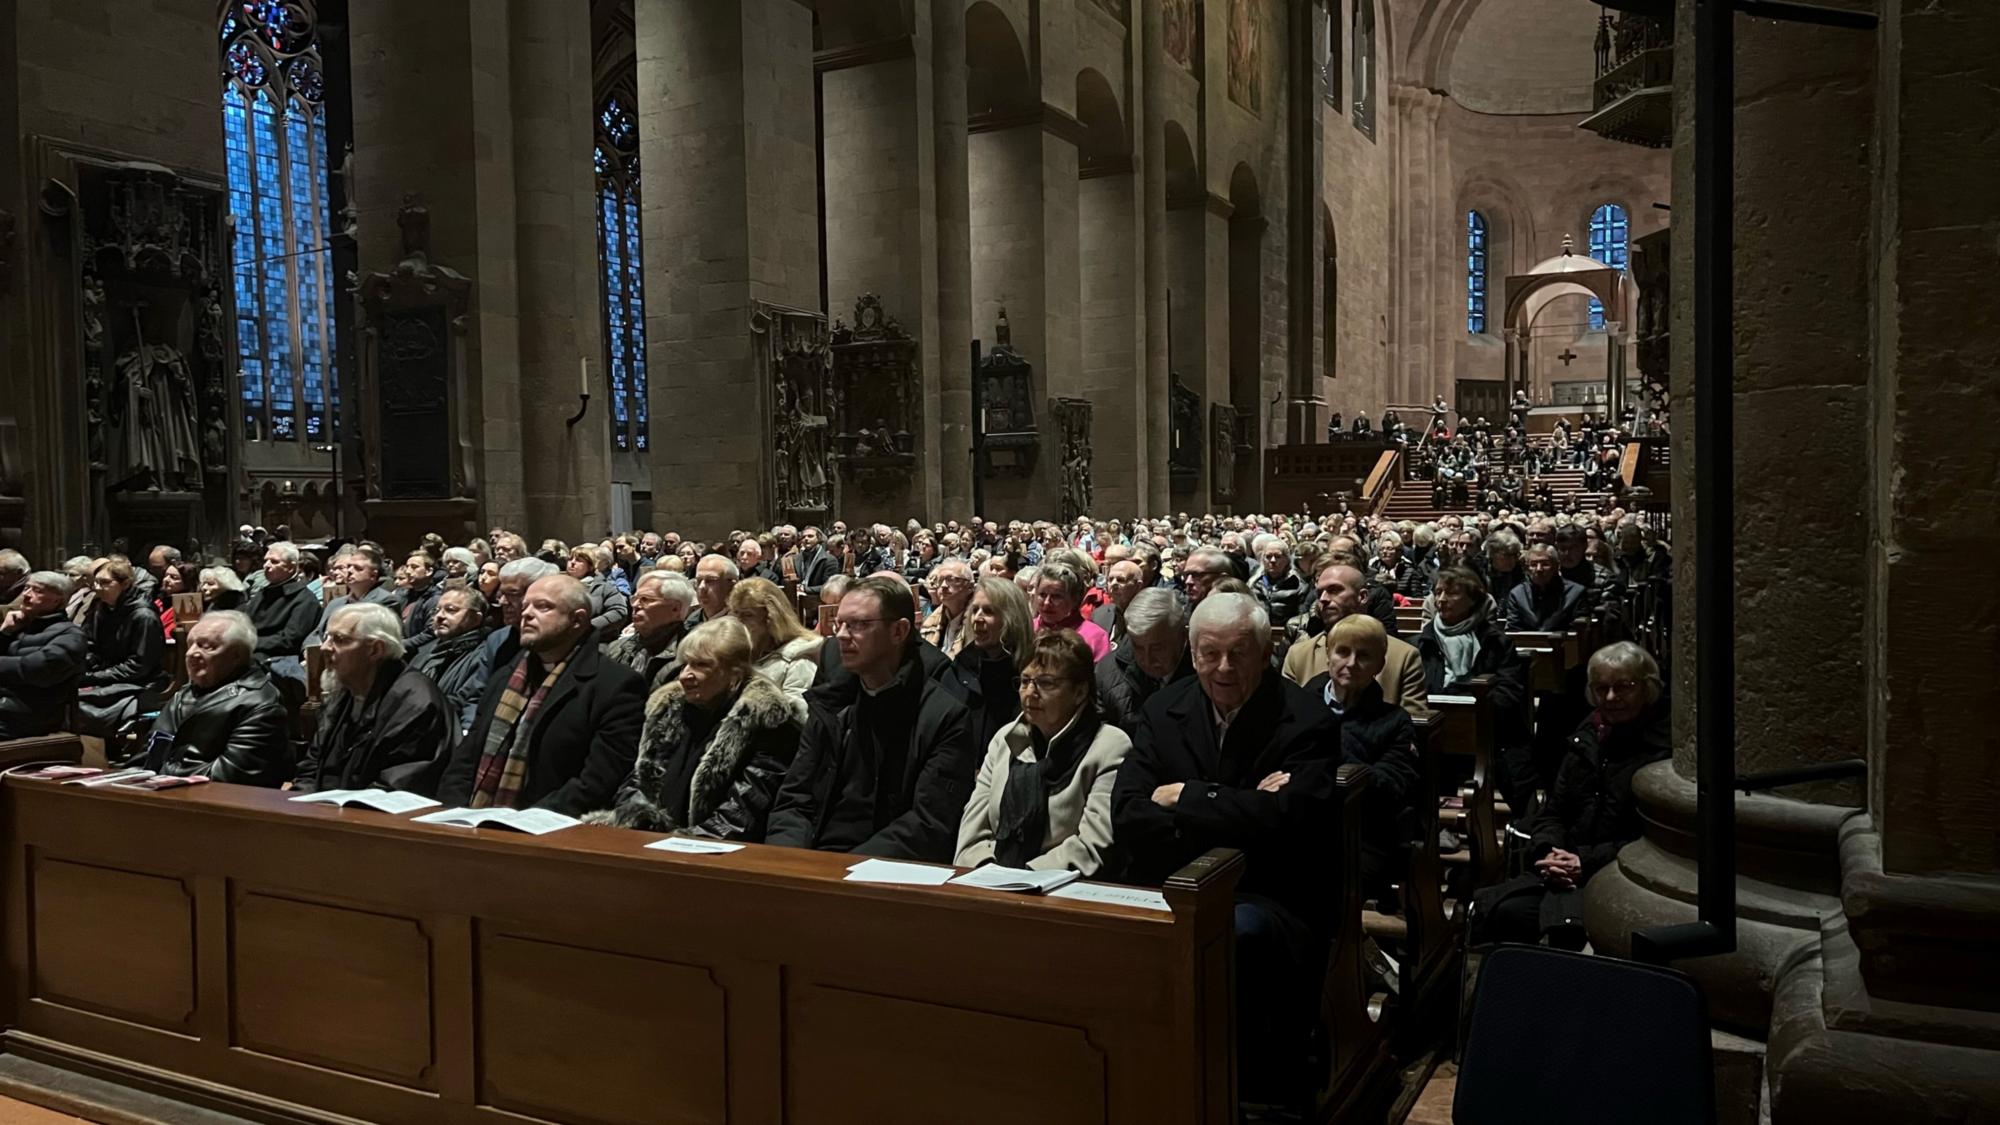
(1610, 239)
(274, 133)
(1475, 272)
(618, 252)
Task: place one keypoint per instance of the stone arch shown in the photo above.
(1105, 146)
(998, 78)
(1184, 182)
(1513, 237)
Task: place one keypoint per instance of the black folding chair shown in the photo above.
(1560, 1038)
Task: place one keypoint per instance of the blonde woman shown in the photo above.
(782, 649)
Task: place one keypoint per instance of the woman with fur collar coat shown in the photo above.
(716, 744)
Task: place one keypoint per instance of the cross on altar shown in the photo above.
(1567, 357)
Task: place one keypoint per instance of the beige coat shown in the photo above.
(1079, 813)
(1402, 677)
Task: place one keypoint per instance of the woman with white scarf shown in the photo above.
(1467, 639)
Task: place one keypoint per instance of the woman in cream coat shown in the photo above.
(783, 650)
(1042, 799)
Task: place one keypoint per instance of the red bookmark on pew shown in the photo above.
(162, 782)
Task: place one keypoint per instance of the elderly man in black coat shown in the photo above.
(1547, 602)
(283, 609)
(888, 772)
(42, 658)
(229, 722)
(1153, 656)
(1240, 757)
(450, 653)
(384, 723)
(559, 725)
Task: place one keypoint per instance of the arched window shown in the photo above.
(1362, 70)
(618, 255)
(1610, 239)
(274, 135)
(1475, 272)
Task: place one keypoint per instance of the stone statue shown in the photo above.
(1222, 450)
(154, 407)
(208, 327)
(93, 311)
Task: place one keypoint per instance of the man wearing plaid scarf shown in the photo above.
(558, 727)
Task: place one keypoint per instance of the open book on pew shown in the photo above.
(381, 800)
(994, 877)
(535, 822)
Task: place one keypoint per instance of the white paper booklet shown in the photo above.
(381, 800)
(994, 877)
(1122, 896)
(689, 846)
(535, 822)
(890, 871)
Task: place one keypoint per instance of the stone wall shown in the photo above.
(141, 79)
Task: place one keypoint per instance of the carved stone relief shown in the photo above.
(1072, 417)
(799, 368)
(1223, 421)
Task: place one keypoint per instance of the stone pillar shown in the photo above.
(1114, 338)
(1421, 198)
(1931, 697)
(726, 136)
(952, 209)
(882, 237)
(1150, 150)
(560, 315)
(1024, 258)
(1305, 250)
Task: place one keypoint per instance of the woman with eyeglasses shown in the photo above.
(126, 644)
(1042, 798)
(999, 637)
(1591, 811)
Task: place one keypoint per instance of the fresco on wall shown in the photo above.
(1246, 56)
(1118, 9)
(1181, 24)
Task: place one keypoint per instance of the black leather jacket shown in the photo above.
(233, 732)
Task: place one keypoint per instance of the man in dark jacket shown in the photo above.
(283, 609)
(1153, 655)
(1240, 757)
(123, 675)
(502, 645)
(1547, 602)
(384, 723)
(42, 658)
(559, 725)
(228, 723)
(810, 566)
(1281, 588)
(450, 653)
(420, 598)
(651, 647)
(888, 773)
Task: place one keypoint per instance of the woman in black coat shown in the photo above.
(1591, 811)
(123, 676)
(1000, 637)
(1466, 639)
(717, 742)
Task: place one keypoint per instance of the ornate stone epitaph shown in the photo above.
(1072, 417)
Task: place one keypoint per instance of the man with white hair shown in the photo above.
(43, 655)
(229, 722)
(1278, 585)
(1238, 757)
(1152, 655)
(383, 722)
(14, 570)
(283, 609)
(559, 725)
(714, 577)
(651, 647)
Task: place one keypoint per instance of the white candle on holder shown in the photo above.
(583, 375)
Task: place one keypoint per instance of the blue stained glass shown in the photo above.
(1475, 272)
(1610, 243)
(615, 160)
(324, 267)
(271, 247)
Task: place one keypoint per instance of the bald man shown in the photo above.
(558, 727)
(1341, 590)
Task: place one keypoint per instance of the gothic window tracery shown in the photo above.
(274, 131)
(616, 158)
(1475, 272)
(1610, 243)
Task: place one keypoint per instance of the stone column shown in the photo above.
(1113, 350)
(560, 316)
(726, 135)
(1150, 151)
(1305, 252)
(952, 209)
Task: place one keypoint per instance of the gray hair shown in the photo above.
(373, 622)
(673, 587)
(1503, 542)
(1153, 608)
(1539, 551)
(1630, 659)
(461, 555)
(238, 631)
(1072, 582)
(1027, 577)
(13, 562)
(1258, 544)
(78, 567)
(223, 576)
(530, 568)
(54, 580)
(729, 568)
(287, 551)
(1230, 611)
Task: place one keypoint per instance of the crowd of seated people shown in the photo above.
(1112, 697)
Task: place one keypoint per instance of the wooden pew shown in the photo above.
(1470, 734)
(1423, 927)
(1350, 1011)
(306, 963)
(44, 748)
